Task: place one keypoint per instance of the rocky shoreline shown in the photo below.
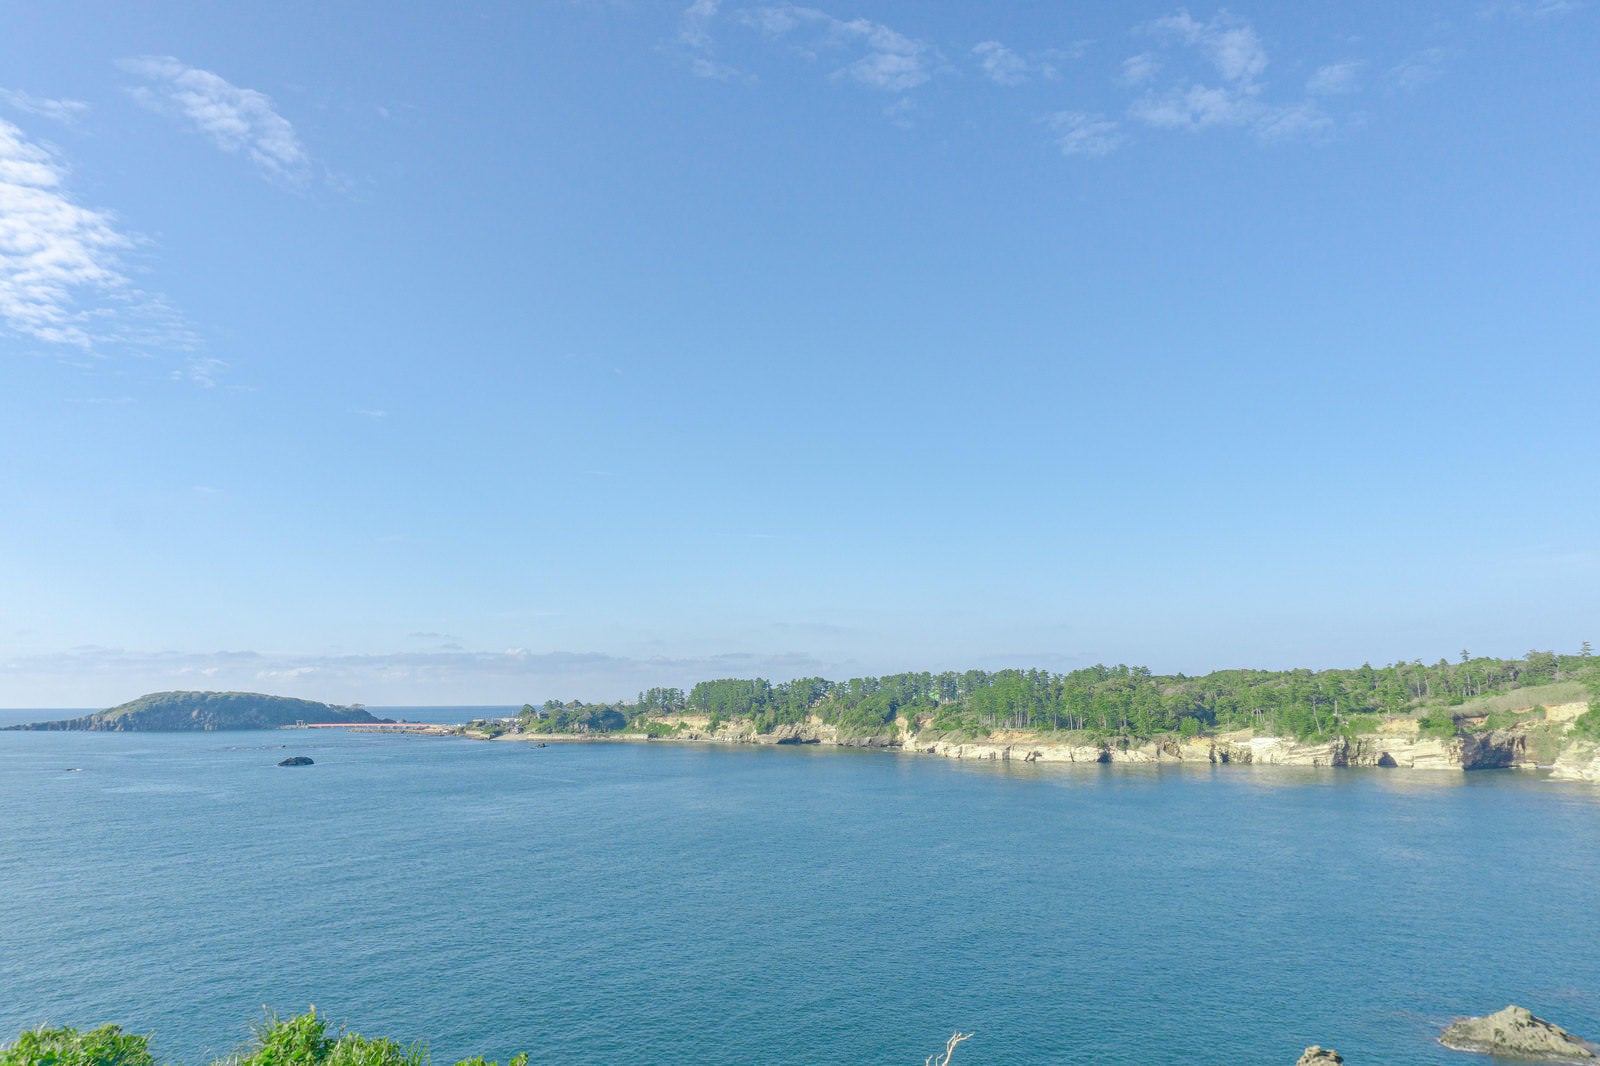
(1397, 744)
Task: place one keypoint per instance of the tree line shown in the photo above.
(1105, 701)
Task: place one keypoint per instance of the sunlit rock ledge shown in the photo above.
(1579, 762)
(1397, 745)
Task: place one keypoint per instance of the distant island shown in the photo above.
(184, 711)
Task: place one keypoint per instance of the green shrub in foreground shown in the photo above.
(299, 1041)
(105, 1046)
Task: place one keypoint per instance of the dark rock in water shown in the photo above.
(1320, 1056)
(1516, 1033)
(297, 760)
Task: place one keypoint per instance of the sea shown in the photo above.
(664, 903)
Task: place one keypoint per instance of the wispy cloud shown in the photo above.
(1218, 80)
(1078, 133)
(1234, 53)
(1000, 64)
(56, 110)
(1336, 79)
(1302, 121)
(1140, 69)
(694, 26)
(883, 58)
(1531, 9)
(236, 120)
(62, 279)
(1230, 44)
(697, 41)
(1004, 67)
(1192, 74)
(203, 371)
(1417, 70)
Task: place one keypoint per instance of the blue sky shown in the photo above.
(509, 352)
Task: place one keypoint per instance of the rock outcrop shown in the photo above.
(811, 731)
(1494, 749)
(1515, 1032)
(297, 760)
(1579, 762)
(1320, 1056)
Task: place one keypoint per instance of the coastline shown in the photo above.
(1397, 744)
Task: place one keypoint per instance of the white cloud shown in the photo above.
(1303, 121)
(1140, 69)
(1078, 133)
(772, 21)
(202, 371)
(1417, 70)
(1531, 9)
(694, 27)
(61, 277)
(694, 37)
(701, 67)
(236, 120)
(1230, 44)
(1197, 107)
(1231, 49)
(1217, 81)
(57, 110)
(888, 60)
(893, 61)
(1001, 64)
(1336, 79)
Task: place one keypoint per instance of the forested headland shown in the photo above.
(1107, 702)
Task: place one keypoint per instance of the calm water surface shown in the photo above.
(686, 904)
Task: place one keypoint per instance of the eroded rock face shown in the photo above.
(1494, 750)
(1320, 1056)
(1516, 1033)
(1579, 762)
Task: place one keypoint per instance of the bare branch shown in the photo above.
(949, 1049)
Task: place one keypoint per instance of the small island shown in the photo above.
(186, 711)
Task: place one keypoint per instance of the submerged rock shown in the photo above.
(297, 760)
(1320, 1056)
(1515, 1032)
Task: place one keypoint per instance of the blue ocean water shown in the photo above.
(676, 904)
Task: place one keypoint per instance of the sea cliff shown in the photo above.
(1536, 744)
